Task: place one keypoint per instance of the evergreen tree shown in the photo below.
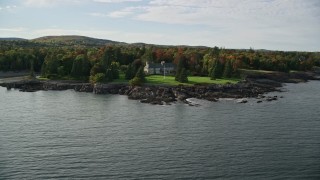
(140, 74)
(129, 73)
(32, 58)
(212, 72)
(183, 76)
(115, 66)
(227, 70)
(117, 54)
(86, 66)
(76, 70)
(182, 64)
(108, 57)
(216, 70)
(215, 52)
(80, 66)
(50, 65)
(107, 60)
(43, 69)
(136, 64)
(112, 72)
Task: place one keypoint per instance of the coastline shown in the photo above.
(254, 86)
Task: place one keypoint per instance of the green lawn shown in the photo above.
(169, 80)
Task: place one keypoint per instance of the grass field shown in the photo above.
(169, 80)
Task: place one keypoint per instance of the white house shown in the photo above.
(157, 68)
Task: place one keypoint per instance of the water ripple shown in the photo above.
(69, 135)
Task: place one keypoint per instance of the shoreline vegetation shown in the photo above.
(150, 73)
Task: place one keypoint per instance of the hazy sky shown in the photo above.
(261, 24)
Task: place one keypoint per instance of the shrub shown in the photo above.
(135, 81)
(100, 77)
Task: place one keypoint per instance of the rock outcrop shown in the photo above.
(150, 93)
(162, 94)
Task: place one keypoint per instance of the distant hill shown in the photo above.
(13, 39)
(74, 40)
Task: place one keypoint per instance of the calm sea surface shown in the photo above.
(72, 135)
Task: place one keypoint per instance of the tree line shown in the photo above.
(104, 64)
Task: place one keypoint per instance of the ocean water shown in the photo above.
(72, 135)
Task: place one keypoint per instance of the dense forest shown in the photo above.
(104, 63)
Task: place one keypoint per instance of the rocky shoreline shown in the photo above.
(252, 86)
